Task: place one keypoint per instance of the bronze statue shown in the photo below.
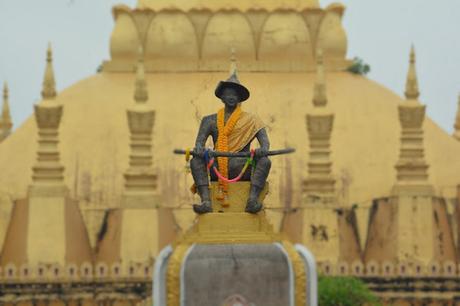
(232, 130)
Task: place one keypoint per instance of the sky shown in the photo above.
(379, 32)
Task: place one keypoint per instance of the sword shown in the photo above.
(235, 154)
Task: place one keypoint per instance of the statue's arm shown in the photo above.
(264, 142)
(203, 132)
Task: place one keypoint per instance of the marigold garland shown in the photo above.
(222, 144)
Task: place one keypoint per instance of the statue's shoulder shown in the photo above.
(209, 118)
(253, 119)
(208, 123)
(248, 115)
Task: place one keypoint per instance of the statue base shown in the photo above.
(237, 197)
(230, 255)
(230, 228)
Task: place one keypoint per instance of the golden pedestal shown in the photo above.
(230, 228)
(238, 194)
(230, 223)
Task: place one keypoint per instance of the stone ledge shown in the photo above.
(238, 194)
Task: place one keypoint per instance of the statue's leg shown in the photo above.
(200, 176)
(235, 165)
(258, 180)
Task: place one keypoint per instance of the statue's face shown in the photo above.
(230, 97)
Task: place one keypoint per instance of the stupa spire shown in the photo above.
(140, 93)
(412, 169)
(51, 227)
(412, 89)
(49, 84)
(457, 121)
(48, 171)
(5, 121)
(320, 182)
(319, 91)
(140, 178)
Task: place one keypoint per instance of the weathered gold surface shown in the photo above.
(238, 194)
(139, 235)
(91, 134)
(415, 239)
(46, 224)
(227, 4)
(280, 37)
(321, 232)
(422, 239)
(95, 154)
(6, 206)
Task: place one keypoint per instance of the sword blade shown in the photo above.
(237, 154)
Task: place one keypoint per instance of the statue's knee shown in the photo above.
(265, 162)
(196, 162)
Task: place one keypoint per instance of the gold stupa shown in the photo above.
(366, 154)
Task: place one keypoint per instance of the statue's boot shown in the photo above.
(253, 206)
(203, 208)
(206, 205)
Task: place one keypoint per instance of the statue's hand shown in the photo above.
(199, 152)
(260, 152)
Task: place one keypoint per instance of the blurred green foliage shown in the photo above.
(359, 67)
(344, 291)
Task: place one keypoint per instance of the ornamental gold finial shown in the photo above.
(140, 95)
(6, 116)
(412, 90)
(457, 121)
(5, 90)
(319, 91)
(233, 65)
(458, 103)
(49, 85)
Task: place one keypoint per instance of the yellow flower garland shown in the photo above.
(222, 143)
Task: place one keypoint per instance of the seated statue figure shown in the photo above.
(232, 130)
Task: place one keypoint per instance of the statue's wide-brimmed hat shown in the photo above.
(234, 83)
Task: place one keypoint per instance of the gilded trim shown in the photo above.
(299, 273)
(173, 274)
